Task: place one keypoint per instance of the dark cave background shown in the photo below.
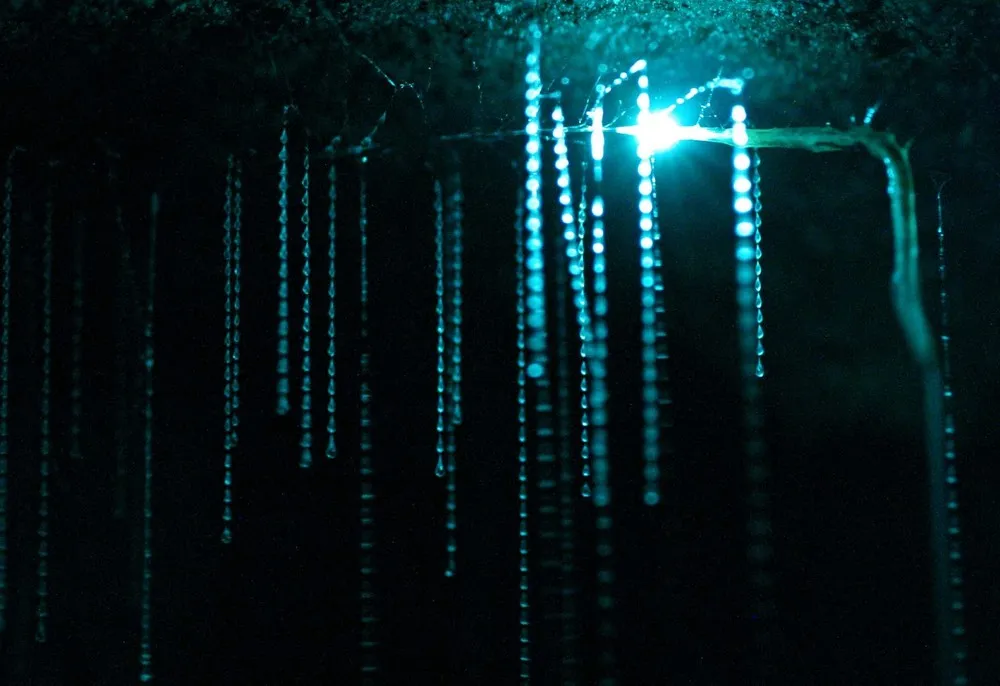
(164, 92)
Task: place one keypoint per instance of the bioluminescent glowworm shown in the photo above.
(146, 604)
(305, 442)
(283, 369)
(45, 450)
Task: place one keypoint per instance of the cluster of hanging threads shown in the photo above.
(283, 370)
(146, 605)
(76, 388)
(759, 525)
(331, 387)
(305, 443)
(369, 643)
(8, 220)
(650, 400)
(45, 452)
(227, 389)
(524, 603)
(956, 599)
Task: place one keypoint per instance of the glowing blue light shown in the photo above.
(656, 131)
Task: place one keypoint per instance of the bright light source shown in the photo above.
(657, 131)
